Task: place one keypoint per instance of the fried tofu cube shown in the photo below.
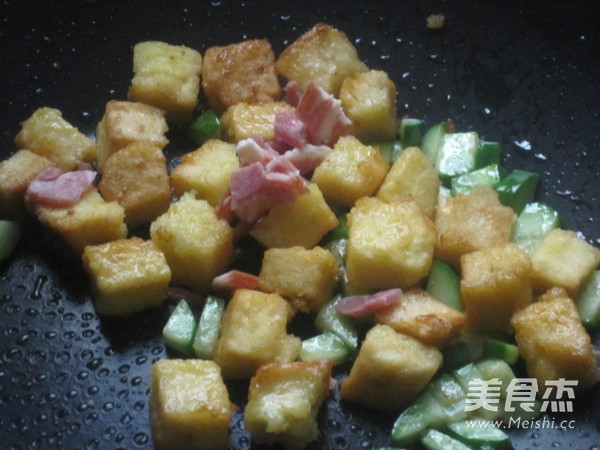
(166, 77)
(127, 275)
(553, 342)
(390, 245)
(48, 134)
(470, 222)
(206, 171)
(324, 55)
(240, 73)
(494, 285)
(369, 101)
(563, 259)
(301, 223)
(244, 121)
(391, 369)
(124, 123)
(136, 177)
(197, 244)
(189, 406)
(412, 176)
(306, 277)
(284, 400)
(423, 317)
(16, 172)
(91, 221)
(254, 333)
(351, 170)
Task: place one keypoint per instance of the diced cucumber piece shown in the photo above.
(340, 231)
(443, 284)
(325, 346)
(436, 440)
(209, 326)
(496, 368)
(328, 319)
(389, 149)
(463, 375)
(588, 302)
(432, 142)
(414, 421)
(337, 247)
(487, 153)
(387, 448)
(457, 154)
(488, 175)
(205, 127)
(444, 192)
(10, 232)
(480, 434)
(410, 132)
(179, 331)
(495, 349)
(532, 224)
(450, 396)
(517, 189)
(456, 355)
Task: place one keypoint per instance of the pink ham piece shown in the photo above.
(292, 93)
(235, 279)
(255, 188)
(322, 115)
(253, 150)
(290, 130)
(54, 188)
(307, 159)
(365, 305)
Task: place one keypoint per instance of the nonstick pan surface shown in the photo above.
(525, 73)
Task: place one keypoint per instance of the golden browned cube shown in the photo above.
(244, 120)
(127, 275)
(136, 177)
(563, 259)
(284, 400)
(306, 277)
(470, 222)
(391, 369)
(389, 245)
(167, 77)
(324, 55)
(206, 171)
(351, 170)
(48, 134)
(189, 406)
(301, 223)
(254, 333)
(91, 221)
(124, 123)
(554, 343)
(197, 244)
(412, 176)
(16, 172)
(240, 73)
(423, 317)
(494, 285)
(369, 101)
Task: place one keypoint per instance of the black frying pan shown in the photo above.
(525, 73)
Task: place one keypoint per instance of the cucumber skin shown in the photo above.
(588, 302)
(10, 233)
(444, 284)
(179, 330)
(209, 325)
